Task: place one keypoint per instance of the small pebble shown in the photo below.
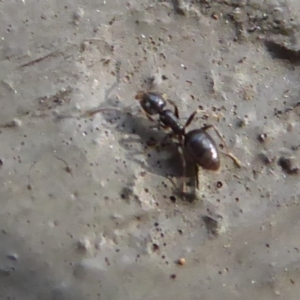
(181, 261)
(12, 256)
(262, 137)
(78, 14)
(83, 245)
(17, 122)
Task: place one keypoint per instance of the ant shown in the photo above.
(198, 145)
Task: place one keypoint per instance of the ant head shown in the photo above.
(139, 95)
(152, 103)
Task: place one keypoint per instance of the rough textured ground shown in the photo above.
(87, 210)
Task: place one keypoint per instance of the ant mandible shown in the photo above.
(197, 144)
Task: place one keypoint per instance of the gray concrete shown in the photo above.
(87, 210)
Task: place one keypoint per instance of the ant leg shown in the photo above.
(167, 136)
(183, 162)
(176, 111)
(197, 176)
(191, 117)
(149, 117)
(227, 153)
(234, 158)
(158, 125)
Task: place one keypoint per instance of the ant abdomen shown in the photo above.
(202, 149)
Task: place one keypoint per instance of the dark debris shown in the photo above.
(287, 166)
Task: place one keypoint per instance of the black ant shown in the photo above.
(198, 145)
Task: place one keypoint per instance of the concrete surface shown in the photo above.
(87, 208)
